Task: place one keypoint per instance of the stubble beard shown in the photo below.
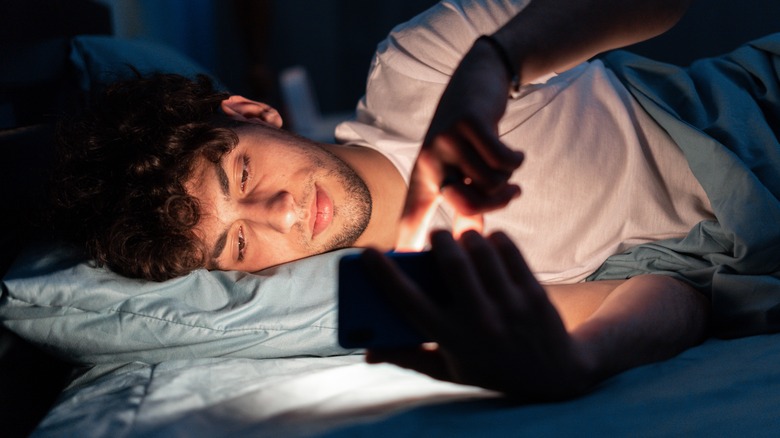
(356, 209)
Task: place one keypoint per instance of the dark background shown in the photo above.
(248, 42)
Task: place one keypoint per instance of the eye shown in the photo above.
(241, 244)
(244, 172)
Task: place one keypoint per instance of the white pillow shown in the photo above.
(92, 315)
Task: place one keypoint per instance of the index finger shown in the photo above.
(491, 149)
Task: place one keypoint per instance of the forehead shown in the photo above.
(203, 185)
(273, 143)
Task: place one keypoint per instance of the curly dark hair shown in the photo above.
(122, 165)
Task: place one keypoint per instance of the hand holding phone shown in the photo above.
(494, 327)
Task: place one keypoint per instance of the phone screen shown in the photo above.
(366, 318)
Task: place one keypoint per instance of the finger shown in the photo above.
(517, 267)
(469, 299)
(491, 268)
(462, 223)
(470, 200)
(475, 139)
(541, 321)
(456, 151)
(491, 149)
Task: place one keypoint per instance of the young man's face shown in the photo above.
(276, 198)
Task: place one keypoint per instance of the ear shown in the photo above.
(246, 110)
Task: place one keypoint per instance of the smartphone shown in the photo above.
(366, 319)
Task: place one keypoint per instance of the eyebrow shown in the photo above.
(224, 185)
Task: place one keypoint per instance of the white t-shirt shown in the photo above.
(599, 176)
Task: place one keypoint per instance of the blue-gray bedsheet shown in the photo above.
(724, 113)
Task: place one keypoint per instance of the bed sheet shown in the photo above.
(721, 388)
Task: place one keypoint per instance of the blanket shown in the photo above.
(724, 113)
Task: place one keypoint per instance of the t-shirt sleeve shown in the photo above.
(410, 71)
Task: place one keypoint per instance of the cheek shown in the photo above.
(288, 176)
(271, 250)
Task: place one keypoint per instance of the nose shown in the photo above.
(279, 212)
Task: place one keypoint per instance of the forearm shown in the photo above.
(554, 35)
(645, 319)
(576, 302)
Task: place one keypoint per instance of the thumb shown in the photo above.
(422, 199)
(414, 225)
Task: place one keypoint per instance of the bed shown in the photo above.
(241, 362)
(238, 354)
(722, 388)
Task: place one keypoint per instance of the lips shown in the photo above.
(321, 211)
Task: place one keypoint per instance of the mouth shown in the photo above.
(321, 212)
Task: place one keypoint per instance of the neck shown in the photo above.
(388, 191)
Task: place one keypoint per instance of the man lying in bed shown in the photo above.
(601, 176)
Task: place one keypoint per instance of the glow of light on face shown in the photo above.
(351, 214)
